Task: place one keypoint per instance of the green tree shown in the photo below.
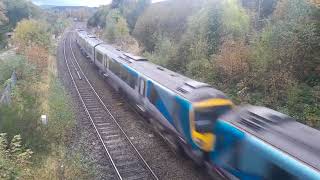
(98, 19)
(216, 22)
(32, 32)
(116, 27)
(3, 17)
(20, 9)
(131, 10)
(167, 19)
(14, 159)
(116, 4)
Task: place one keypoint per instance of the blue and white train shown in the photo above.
(246, 142)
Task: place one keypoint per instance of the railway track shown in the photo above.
(126, 160)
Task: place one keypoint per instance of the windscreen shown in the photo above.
(204, 118)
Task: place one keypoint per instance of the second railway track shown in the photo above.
(123, 155)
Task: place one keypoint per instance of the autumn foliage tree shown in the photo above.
(33, 40)
(213, 41)
(232, 62)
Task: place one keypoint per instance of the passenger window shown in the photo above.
(123, 73)
(154, 95)
(99, 57)
(115, 68)
(132, 80)
(275, 172)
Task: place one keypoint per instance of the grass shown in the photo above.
(37, 94)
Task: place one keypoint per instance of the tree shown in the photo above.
(132, 10)
(15, 160)
(208, 28)
(32, 32)
(167, 19)
(98, 19)
(116, 4)
(3, 12)
(116, 27)
(33, 40)
(20, 9)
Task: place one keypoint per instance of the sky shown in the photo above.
(90, 3)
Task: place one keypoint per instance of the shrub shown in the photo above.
(208, 28)
(165, 52)
(37, 56)
(167, 19)
(116, 27)
(303, 104)
(3, 17)
(232, 62)
(31, 32)
(63, 164)
(60, 116)
(202, 70)
(14, 159)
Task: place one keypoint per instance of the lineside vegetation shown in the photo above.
(265, 56)
(30, 149)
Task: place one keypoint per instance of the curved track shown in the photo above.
(123, 155)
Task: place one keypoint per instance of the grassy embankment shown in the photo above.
(40, 151)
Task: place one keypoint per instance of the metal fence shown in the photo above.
(5, 95)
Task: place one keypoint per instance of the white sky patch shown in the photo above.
(90, 3)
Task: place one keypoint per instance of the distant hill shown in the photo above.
(47, 6)
(63, 8)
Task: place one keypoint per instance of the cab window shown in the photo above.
(205, 118)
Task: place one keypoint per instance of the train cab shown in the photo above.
(207, 105)
(259, 143)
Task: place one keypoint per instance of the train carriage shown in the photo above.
(243, 143)
(81, 40)
(260, 143)
(180, 106)
(89, 43)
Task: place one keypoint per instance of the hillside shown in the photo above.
(265, 54)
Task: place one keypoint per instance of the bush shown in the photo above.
(37, 56)
(232, 62)
(303, 104)
(208, 28)
(60, 116)
(116, 27)
(14, 159)
(62, 164)
(32, 32)
(167, 19)
(98, 19)
(201, 70)
(165, 52)
(3, 17)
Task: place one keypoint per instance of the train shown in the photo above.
(234, 142)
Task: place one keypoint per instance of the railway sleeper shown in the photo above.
(134, 176)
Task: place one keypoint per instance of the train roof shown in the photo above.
(92, 39)
(190, 89)
(82, 33)
(280, 131)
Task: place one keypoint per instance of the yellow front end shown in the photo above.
(206, 140)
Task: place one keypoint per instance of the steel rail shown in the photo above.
(111, 115)
(86, 109)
